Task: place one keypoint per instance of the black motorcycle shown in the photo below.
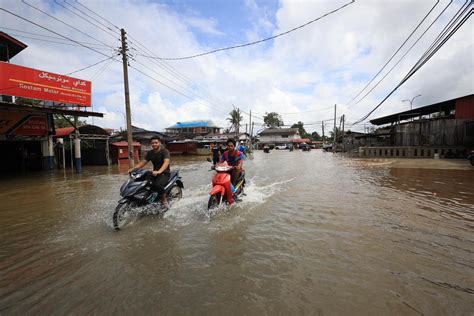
(470, 157)
(138, 196)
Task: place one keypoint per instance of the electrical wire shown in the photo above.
(50, 41)
(139, 47)
(48, 36)
(113, 35)
(455, 27)
(255, 42)
(403, 56)
(54, 32)
(61, 21)
(393, 55)
(168, 86)
(101, 70)
(90, 66)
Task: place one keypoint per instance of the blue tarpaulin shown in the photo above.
(193, 124)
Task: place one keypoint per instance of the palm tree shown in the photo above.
(235, 119)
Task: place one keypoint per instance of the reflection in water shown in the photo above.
(316, 233)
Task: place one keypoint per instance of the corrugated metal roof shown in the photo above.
(194, 124)
(269, 131)
(124, 144)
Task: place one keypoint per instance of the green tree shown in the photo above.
(60, 121)
(315, 136)
(20, 100)
(272, 119)
(235, 118)
(301, 130)
(339, 135)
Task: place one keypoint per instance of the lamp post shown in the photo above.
(411, 101)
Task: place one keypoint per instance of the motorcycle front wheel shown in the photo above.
(122, 214)
(175, 193)
(214, 201)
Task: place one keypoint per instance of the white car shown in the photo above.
(281, 147)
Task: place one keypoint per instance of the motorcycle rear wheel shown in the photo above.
(214, 201)
(122, 214)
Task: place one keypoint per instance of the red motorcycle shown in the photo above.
(223, 191)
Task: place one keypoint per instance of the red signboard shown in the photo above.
(37, 84)
(34, 126)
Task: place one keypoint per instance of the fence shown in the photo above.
(412, 152)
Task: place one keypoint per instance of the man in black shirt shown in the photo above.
(160, 157)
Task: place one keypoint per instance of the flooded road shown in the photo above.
(316, 234)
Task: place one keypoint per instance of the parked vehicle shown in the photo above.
(278, 147)
(137, 194)
(222, 189)
(470, 157)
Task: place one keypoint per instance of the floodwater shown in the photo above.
(316, 234)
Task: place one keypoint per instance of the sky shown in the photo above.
(300, 75)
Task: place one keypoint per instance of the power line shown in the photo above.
(54, 32)
(168, 86)
(162, 64)
(399, 48)
(90, 66)
(255, 42)
(188, 91)
(454, 28)
(101, 70)
(48, 36)
(403, 56)
(113, 35)
(54, 42)
(61, 21)
(290, 113)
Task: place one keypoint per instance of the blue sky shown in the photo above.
(311, 69)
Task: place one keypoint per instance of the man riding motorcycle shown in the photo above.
(234, 158)
(160, 157)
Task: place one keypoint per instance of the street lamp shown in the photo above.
(411, 101)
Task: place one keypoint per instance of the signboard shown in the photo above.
(24, 124)
(43, 85)
(8, 120)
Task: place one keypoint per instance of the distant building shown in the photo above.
(222, 138)
(193, 128)
(278, 136)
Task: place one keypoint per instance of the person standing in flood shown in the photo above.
(216, 153)
(160, 157)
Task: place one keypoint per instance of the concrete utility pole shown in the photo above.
(335, 131)
(123, 51)
(249, 142)
(322, 127)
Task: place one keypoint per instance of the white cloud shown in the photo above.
(313, 68)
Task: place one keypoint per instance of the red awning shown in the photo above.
(64, 131)
(125, 144)
(301, 140)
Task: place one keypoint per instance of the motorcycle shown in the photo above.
(223, 191)
(136, 194)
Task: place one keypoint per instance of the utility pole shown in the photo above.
(322, 127)
(124, 50)
(249, 142)
(335, 131)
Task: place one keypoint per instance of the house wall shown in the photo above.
(278, 138)
(443, 132)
